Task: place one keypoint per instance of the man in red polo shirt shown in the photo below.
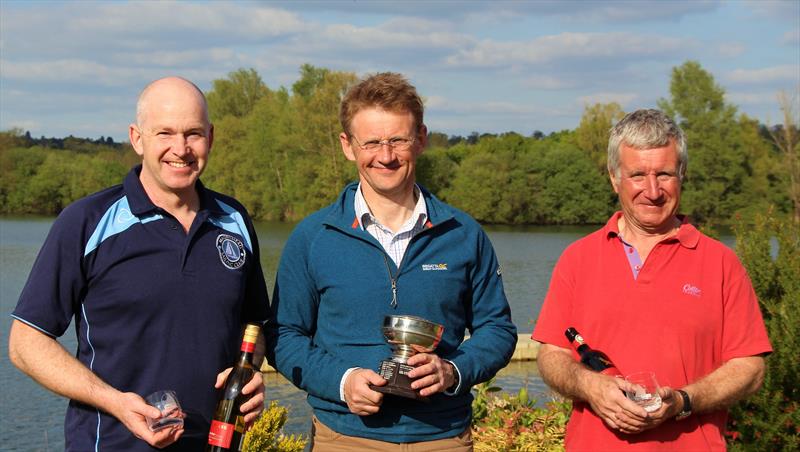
(654, 294)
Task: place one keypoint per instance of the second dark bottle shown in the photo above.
(591, 358)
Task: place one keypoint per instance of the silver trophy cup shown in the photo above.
(407, 335)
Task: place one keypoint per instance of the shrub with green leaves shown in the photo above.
(513, 423)
(770, 419)
(266, 436)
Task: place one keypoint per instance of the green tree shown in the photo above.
(435, 170)
(770, 419)
(235, 95)
(574, 192)
(438, 140)
(593, 130)
(316, 99)
(787, 139)
(718, 162)
(494, 182)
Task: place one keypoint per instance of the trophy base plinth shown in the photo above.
(398, 383)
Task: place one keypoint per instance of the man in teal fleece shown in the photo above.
(388, 247)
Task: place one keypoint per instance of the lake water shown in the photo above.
(32, 418)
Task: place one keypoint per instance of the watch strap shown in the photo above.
(687, 406)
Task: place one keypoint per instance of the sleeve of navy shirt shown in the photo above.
(294, 313)
(493, 336)
(56, 282)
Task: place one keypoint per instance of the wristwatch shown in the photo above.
(687, 406)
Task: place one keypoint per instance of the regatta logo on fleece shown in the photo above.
(434, 267)
(689, 289)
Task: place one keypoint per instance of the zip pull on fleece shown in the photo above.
(393, 280)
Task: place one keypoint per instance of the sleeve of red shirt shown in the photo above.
(556, 311)
(744, 333)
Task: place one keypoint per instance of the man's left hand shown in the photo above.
(431, 374)
(254, 388)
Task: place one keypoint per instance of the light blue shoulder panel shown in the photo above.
(117, 219)
(232, 222)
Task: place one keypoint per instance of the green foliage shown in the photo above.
(266, 436)
(503, 422)
(281, 157)
(44, 180)
(770, 419)
(435, 169)
(235, 96)
(278, 152)
(592, 133)
(724, 151)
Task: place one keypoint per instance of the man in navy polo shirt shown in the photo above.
(159, 274)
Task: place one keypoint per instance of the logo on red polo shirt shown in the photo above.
(689, 289)
(231, 251)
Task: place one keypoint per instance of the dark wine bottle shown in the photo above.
(227, 426)
(593, 359)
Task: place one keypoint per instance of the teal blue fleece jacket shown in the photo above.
(334, 288)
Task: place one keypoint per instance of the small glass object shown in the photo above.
(171, 414)
(644, 390)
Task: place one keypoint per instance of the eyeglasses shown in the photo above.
(398, 144)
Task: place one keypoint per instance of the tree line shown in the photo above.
(277, 151)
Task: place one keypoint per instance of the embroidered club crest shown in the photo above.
(231, 251)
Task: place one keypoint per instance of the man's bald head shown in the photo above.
(168, 87)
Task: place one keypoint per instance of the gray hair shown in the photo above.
(646, 129)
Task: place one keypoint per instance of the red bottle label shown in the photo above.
(220, 434)
(248, 347)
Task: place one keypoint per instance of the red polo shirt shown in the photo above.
(691, 309)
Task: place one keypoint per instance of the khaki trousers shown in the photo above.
(323, 439)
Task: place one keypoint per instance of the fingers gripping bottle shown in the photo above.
(227, 426)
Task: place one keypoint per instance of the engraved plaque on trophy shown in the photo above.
(407, 335)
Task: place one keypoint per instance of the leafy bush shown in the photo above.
(266, 436)
(770, 419)
(513, 423)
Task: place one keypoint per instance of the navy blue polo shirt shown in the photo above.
(154, 307)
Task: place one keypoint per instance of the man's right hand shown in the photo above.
(362, 400)
(131, 410)
(605, 395)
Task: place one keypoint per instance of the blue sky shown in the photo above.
(76, 67)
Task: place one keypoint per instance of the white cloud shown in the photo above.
(791, 37)
(506, 108)
(627, 12)
(250, 19)
(24, 124)
(388, 37)
(435, 102)
(775, 9)
(488, 65)
(784, 73)
(750, 98)
(545, 81)
(184, 58)
(51, 30)
(442, 104)
(731, 49)
(66, 70)
(613, 11)
(566, 46)
(622, 98)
